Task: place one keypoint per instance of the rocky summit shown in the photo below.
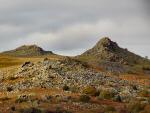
(27, 50)
(108, 50)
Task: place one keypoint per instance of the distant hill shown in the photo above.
(108, 52)
(27, 51)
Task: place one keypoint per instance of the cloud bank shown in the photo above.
(70, 27)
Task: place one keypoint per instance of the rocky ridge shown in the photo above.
(70, 72)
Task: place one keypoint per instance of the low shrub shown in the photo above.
(90, 90)
(134, 87)
(66, 88)
(13, 108)
(117, 98)
(109, 109)
(84, 98)
(60, 110)
(97, 93)
(135, 107)
(12, 78)
(22, 98)
(147, 68)
(144, 93)
(30, 110)
(131, 72)
(4, 98)
(74, 89)
(9, 89)
(106, 94)
(46, 98)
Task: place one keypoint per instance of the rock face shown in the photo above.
(27, 50)
(70, 72)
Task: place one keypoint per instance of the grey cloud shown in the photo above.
(72, 26)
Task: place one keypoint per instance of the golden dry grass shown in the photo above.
(8, 61)
(141, 79)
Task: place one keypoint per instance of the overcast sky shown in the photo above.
(70, 27)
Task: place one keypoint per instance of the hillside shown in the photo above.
(67, 85)
(36, 81)
(108, 54)
(27, 51)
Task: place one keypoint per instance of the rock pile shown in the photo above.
(70, 72)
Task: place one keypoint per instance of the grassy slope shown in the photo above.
(7, 61)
